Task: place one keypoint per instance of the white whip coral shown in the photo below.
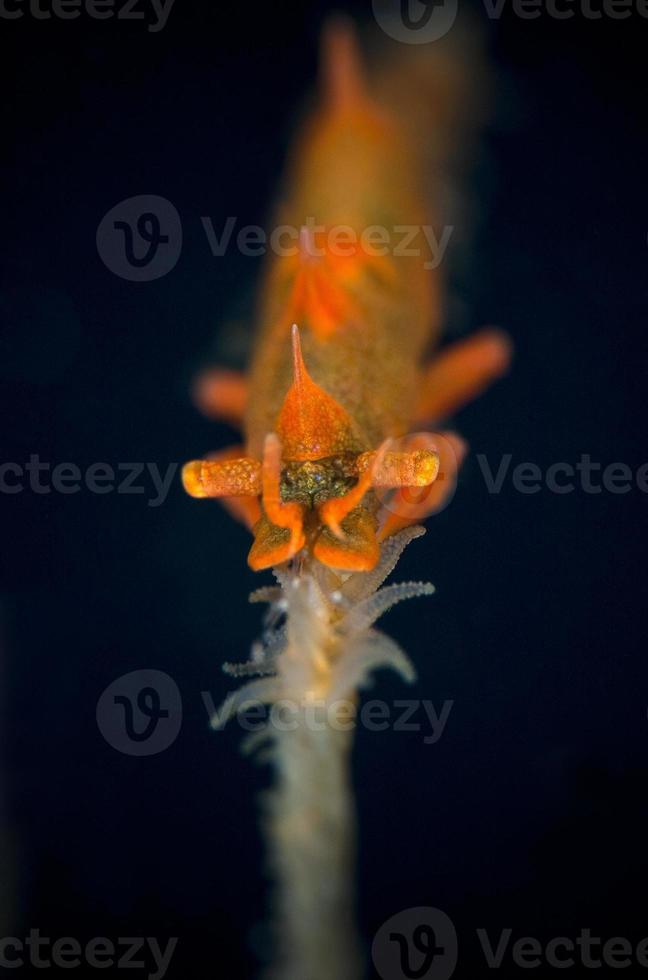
(319, 649)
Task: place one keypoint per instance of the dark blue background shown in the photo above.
(531, 811)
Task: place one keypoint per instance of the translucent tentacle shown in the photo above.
(283, 576)
(265, 691)
(370, 652)
(268, 593)
(258, 742)
(250, 669)
(363, 584)
(264, 655)
(365, 614)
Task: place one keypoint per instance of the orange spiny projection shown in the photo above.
(312, 425)
(337, 379)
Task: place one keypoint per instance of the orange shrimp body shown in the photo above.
(364, 316)
(343, 322)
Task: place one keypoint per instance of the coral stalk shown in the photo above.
(319, 648)
(310, 829)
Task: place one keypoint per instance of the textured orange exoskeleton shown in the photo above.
(329, 403)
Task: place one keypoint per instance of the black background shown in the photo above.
(530, 812)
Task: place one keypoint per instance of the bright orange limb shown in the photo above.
(332, 512)
(417, 468)
(411, 505)
(461, 372)
(221, 394)
(227, 472)
(357, 550)
(279, 535)
(280, 513)
(272, 546)
(222, 477)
